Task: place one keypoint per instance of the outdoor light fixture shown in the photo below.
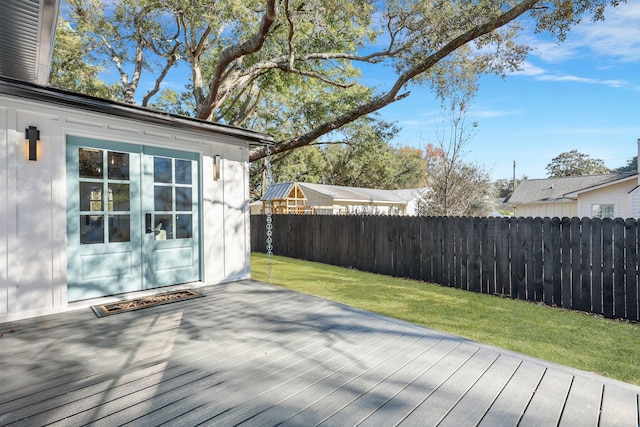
(32, 136)
(217, 167)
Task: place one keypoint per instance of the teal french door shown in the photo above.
(132, 218)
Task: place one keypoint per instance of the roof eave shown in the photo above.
(69, 99)
(575, 194)
(46, 39)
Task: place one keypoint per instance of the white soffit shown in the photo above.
(27, 30)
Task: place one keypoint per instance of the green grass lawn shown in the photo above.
(591, 343)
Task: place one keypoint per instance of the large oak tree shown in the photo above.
(292, 68)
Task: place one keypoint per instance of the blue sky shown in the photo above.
(583, 94)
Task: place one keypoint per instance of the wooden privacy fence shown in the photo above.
(587, 264)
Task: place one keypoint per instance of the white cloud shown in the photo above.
(570, 78)
(539, 73)
(529, 69)
(490, 114)
(618, 36)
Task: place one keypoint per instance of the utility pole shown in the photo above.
(514, 178)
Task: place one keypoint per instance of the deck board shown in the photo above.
(547, 403)
(583, 403)
(254, 354)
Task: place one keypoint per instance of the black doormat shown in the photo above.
(103, 310)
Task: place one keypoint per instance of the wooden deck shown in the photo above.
(255, 354)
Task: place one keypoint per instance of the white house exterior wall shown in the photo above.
(550, 210)
(33, 199)
(616, 194)
(634, 202)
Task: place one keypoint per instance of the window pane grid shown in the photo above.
(173, 203)
(104, 196)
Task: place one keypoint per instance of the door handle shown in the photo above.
(147, 220)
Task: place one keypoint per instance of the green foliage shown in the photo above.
(69, 70)
(173, 102)
(631, 166)
(504, 187)
(590, 343)
(457, 189)
(367, 159)
(574, 163)
(363, 157)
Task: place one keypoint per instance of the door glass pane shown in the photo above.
(119, 197)
(163, 227)
(184, 229)
(90, 196)
(162, 198)
(183, 171)
(162, 170)
(119, 228)
(91, 229)
(118, 164)
(90, 163)
(183, 198)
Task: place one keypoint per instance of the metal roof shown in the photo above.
(340, 193)
(27, 30)
(554, 190)
(279, 191)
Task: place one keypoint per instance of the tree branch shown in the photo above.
(235, 52)
(393, 94)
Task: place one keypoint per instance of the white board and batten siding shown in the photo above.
(33, 198)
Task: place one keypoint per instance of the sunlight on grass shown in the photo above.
(586, 342)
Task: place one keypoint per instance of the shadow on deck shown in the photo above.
(254, 354)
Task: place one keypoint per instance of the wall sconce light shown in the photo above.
(32, 136)
(217, 167)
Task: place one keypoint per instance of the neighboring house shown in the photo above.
(305, 198)
(285, 198)
(99, 198)
(610, 195)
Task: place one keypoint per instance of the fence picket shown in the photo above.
(548, 261)
(518, 258)
(489, 257)
(618, 268)
(503, 257)
(631, 275)
(596, 265)
(536, 264)
(585, 265)
(576, 284)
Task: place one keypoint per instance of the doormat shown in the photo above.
(103, 310)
